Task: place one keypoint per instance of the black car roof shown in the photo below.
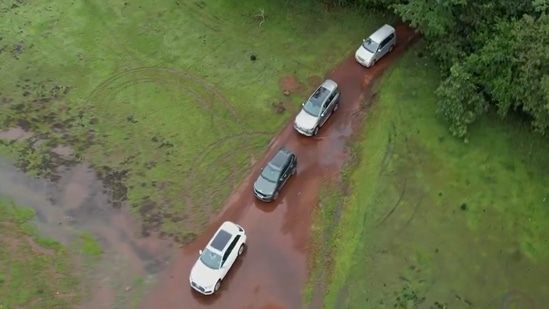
(280, 158)
(221, 240)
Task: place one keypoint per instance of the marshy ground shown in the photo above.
(122, 118)
(119, 124)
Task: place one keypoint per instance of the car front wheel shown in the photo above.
(336, 106)
(275, 196)
(217, 286)
(315, 132)
(294, 170)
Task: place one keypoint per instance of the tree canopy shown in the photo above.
(492, 53)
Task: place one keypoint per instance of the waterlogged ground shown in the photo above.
(108, 104)
(101, 244)
(158, 95)
(28, 259)
(432, 222)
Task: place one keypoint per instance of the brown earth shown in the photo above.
(273, 271)
(314, 80)
(290, 85)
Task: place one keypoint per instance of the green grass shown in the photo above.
(325, 220)
(433, 222)
(165, 91)
(130, 300)
(35, 272)
(88, 246)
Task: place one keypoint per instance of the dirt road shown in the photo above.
(272, 272)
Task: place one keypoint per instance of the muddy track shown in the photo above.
(273, 271)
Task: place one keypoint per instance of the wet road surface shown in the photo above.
(273, 271)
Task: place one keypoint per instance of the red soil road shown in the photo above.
(273, 271)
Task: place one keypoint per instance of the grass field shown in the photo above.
(159, 95)
(431, 222)
(35, 272)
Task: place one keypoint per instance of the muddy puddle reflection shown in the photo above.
(78, 203)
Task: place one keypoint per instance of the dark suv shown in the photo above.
(275, 174)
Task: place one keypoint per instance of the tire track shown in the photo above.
(196, 10)
(148, 72)
(203, 94)
(517, 299)
(227, 160)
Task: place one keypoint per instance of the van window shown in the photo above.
(388, 39)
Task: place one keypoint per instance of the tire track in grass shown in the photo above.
(516, 299)
(227, 160)
(202, 93)
(197, 9)
(170, 74)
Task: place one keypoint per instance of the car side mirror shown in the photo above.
(200, 252)
(261, 169)
(303, 104)
(363, 40)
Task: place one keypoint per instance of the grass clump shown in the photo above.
(325, 218)
(35, 272)
(89, 247)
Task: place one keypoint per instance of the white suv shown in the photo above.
(227, 244)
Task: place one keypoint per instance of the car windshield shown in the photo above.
(210, 259)
(270, 174)
(370, 45)
(313, 106)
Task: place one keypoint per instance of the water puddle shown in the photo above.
(76, 203)
(14, 134)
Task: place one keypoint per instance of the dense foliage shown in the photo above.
(493, 53)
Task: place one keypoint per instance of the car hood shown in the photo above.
(305, 120)
(364, 54)
(203, 275)
(264, 186)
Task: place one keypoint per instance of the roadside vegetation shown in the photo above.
(35, 272)
(430, 222)
(159, 96)
(479, 47)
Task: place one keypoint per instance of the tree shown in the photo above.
(461, 102)
(491, 52)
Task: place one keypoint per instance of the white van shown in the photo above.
(376, 46)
